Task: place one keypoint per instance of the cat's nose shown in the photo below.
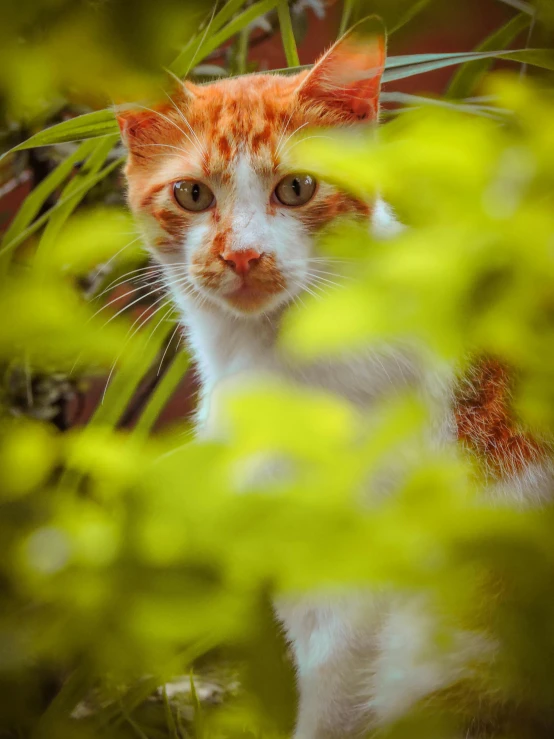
(241, 261)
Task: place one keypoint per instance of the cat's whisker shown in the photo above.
(133, 274)
(179, 280)
(129, 305)
(114, 300)
(317, 292)
(285, 142)
(186, 122)
(141, 324)
(139, 284)
(317, 279)
(104, 265)
(325, 260)
(283, 130)
(160, 283)
(177, 327)
(164, 317)
(328, 272)
(307, 138)
(127, 293)
(122, 280)
(307, 288)
(340, 260)
(296, 299)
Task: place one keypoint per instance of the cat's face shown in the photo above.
(209, 182)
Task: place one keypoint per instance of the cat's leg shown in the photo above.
(334, 644)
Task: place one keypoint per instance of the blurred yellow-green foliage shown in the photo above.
(128, 560)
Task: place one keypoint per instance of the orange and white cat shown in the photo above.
(234, 230)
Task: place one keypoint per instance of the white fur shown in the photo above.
(362, 658)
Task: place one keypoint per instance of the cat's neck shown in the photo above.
(224, 345)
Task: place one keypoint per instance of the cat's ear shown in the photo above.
(136, 125)
(141, 125)
(344, 84)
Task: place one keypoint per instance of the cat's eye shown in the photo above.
(193, 195)
(295, 189)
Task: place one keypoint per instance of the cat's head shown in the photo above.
(209, 183)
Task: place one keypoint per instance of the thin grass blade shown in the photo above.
(183, 61)
(170, 720)
(521, 5)
(347, 8)
(537, 57)
(287, 34)
(128, 378)
(186, 61)
(162, 394)
(88, 126)
(413, 10)
(197, 708)
(411, 101)
(37, 197)
(73, 194)
(84, 187)
(466, 78)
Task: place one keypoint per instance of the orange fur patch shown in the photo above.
(320, 212)
(486, 423)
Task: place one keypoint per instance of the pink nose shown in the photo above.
(241, 261)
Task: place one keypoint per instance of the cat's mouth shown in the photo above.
(249, 297)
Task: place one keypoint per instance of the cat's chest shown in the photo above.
(225, 347)
(239, 352)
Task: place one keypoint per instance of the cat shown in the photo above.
(235, 231)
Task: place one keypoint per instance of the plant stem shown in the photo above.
(287, 34)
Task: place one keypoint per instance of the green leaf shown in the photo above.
(225, 14)
(289, 70)
(287, 34)
(466, 78)
(170, 720)
(83, 188)
(37, 197)
(113, 714)
(73, 193)
(88, 126)
(162, 394)
(411, 101)
(121, 389)
(413, 10)
(74, 689)
(405, 60)
(198, 719)
(537, 57)
(408, 65)
(521, 5)
(184, 59)
(347, 7)
(94, 236)
(182, 65)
